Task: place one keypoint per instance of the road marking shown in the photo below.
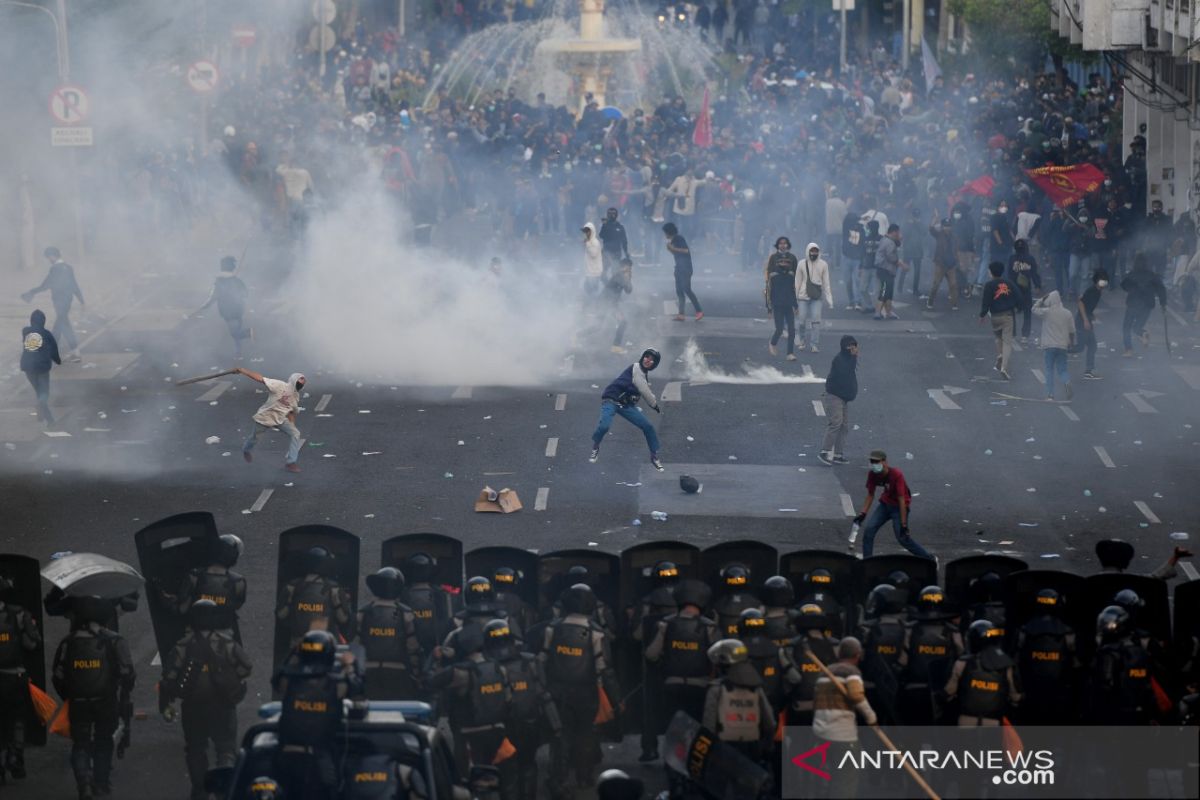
(1071, 415)
(1041, 376)
(818, 408)
(1140, 403)
(1104, 457)
(560, 402)
(943, 402)
(323, 403)
(157, 660)
(539, 502)
(463, 393)
(1178, 318)
(806, 370)
(673, 392)
(1189, 570)
(1016, 347)
(56, 434)
(263, 497)
(1190, 375)
(1146, 512)
(214, 392)
(847, 504)
(552, 447)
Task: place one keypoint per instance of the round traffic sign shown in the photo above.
(324, 11)
(326, 33)
(69, 104)
(203, 76)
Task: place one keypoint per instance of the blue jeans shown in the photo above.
(850, 267)
(633, 414)
(1079, 265)
(293, 453)
(1056, 362)
(879, 516)
(982, 276)
(40, 381)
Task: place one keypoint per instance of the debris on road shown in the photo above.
(504, 501)
(213, 440)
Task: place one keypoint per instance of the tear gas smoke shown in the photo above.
(697, 369)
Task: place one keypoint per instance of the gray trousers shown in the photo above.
(837, 418)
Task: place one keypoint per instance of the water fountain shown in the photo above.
(591, 57)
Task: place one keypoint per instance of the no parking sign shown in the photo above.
(69, 104)
(203, 76)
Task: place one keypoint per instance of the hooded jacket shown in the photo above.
(780, 290)
(38, 346)
(842, 381)
(1058, 323)
(631, 385)
(593, 253)
(815, 271)
(284, 400)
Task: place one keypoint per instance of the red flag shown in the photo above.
(981, 186)
(702, 134)
(1065, 185)
(1012, 740)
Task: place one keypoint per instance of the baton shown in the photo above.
(206, 377)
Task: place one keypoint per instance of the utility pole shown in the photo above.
(906, 31)
(65, 75)
(842, 46)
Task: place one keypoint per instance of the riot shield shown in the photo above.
(637, 561)
(962, 571)
(486, 560)
(1020, 597)
(25, 574)
(604, 570)
(713, 767)
(795, 566)
(294, 543)
(1154, 616)
(447, 550)
(167, 550)
(761, 559)
(873, 571)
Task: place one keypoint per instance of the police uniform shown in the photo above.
(433, 611)
(653, 607)
(1121, 691)
(219, 584)
(387, 631)
(208, 672)
(94, 671)
(728, 610)
(802, 674)
(738, 711)
(530, 708)
(478, 688)
(985, 684)
(1047, 664)
(680, 647)
(19, 635)
(307, 599)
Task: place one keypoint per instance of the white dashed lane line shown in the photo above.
(323, 403)
(673, 392)
(560, 402)
(818, 408)
(1069, 414)
(543, 496)
(1104, 457)
(261, 502)
(1150, 516)
(552, 447)
(1189, 570)
(216, 391)
(943, 401)
(1041, 376)
(847, 504)
(463, 393)
(1137, 401)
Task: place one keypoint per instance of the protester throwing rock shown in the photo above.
(278, 413)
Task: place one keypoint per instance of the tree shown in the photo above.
(1014, 33)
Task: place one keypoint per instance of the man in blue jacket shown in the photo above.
(38, 350)
(621, 398)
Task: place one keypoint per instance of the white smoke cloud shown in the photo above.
(698, 370)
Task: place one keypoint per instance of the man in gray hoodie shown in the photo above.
(1058, 336)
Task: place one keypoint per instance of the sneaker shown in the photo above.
(293, 467)
(928, 306)
(1091, 376)
(851, 307)
(878, 316)
(999, 361)
(813, 349)
(893, 315)
(1049, 398)
(1070, 392)
(954, 308)
(800, 345)
(657, 464)
(595, 456)
(840, 459)
(616, 348)
(857, 307)
(679, 317)
(1004, 374)
(74, 358)
(1127, 354)
(247, 456)
(699, 316)
(773, 349)
(1024, 340)
(825, 458)
(791, 356)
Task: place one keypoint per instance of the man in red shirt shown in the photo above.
(893, 505)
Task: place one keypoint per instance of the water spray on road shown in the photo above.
(698, 370)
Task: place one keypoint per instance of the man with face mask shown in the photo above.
(1085, 321)
(893, 505)
(620, 398)
(780, 294)
(813, 287)
(277, 413)
(615, 242)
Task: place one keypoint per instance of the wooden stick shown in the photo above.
(916, 776)
(206, 377)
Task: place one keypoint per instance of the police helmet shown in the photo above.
(728, 652)
(479, 593)
(931, 602)
(735, 577)
(777, 592)
(578, 573)
(654, 356)
(751, 622)
(1129, 600)
(497, 637)
(91, 609)
(229, 549)
(1048, 601)
(689, 484)
(420, 567)
(885, 599)
(617, 785)
(265, 788)
(506, 577)
(978, 634)
(665, 573)
(1112, 623)
(318, 561)
(898, 578)
(986, 588)
(579, 599)
(820, 579)
(387, 583)
(204, 615)
(692, 593)
(316, 652)
(810, 617)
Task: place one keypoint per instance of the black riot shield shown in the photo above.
(714, 767)
(761, 559)
(639, 560)
(167, 550)
(486, 560)
(1020, 597)
(294, 544)
(1187, 623)
(25, 574)
(1154, 617)
(961, 572)
(447, 550)
(873, 571)
(604, 571)
(798, 565)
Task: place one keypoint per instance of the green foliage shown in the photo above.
(1014, 33)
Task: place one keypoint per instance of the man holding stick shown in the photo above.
(278, 413)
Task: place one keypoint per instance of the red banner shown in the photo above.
(702, 134)
(981, 187)
(1065, 185)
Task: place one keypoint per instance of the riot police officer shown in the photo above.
(1120, 685)
(477, 696)
(480, 610)
(370, 772)
(987, 602)
(94, 671)
(802, 674)
(208, 672)
(658, 603)
(984, 679)
(765, 656)
(1047, 662)
(315, 595)
(576, 655)
(778, 597)
(19, 637)
(604, 617)
(530, 708)
(264, 787)
(819, 588)
(432, 606)
(735, 706)
(680, 647)
(219, 583)
(735, 598)
(313, 685)
(521, 615)
(387, 633)
(885, 646)
(934, 644)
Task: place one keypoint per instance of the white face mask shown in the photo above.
(1102, 284)
(958, 216)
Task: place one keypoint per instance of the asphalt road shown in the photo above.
(1040, 481)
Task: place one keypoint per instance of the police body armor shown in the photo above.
(371, 777)
(486, 698)
(429, 614)
(654, 607)
(993, 612)
(738, 714)
(824, 649)
(1133, 671)
(764, 655)
(525, 688)
(728, 610)
(221, 589)
(571, 661)
(885, 641)
(779, 629)
(983, 689)
(12, 654)
(311, 710)
(930, 653)
(1045, 657)
(382, 634)
(834, 613)
(90, 669)
(312, 598)
(685, 650)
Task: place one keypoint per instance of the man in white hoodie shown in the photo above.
(1058, 336)
(813, 288)
(277, 413)
(593, 259)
